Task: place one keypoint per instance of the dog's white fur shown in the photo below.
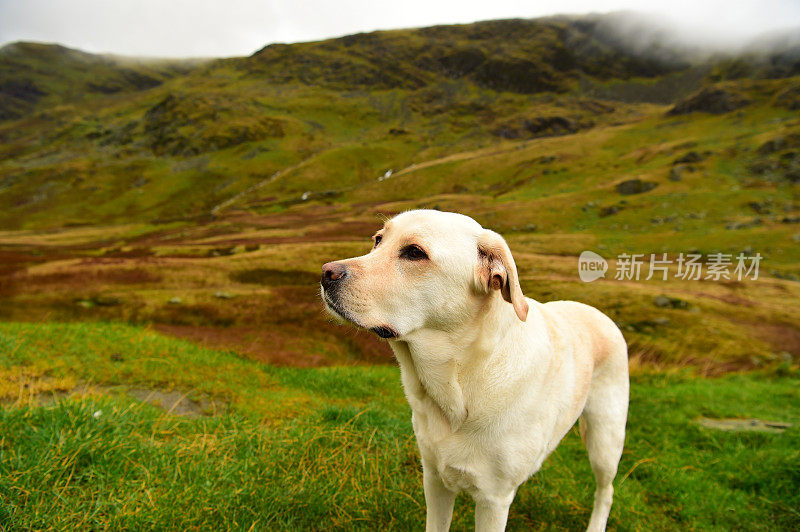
(494, 380)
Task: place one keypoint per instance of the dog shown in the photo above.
(495, 380)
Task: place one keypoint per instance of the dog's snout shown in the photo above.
(332, 272)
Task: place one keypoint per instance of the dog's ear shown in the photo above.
(497, 271)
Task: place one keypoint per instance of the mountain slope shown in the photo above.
(91, 139)
(522, 56)
(34, 75)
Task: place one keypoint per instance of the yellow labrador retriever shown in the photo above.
(494, 380)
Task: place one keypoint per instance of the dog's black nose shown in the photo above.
(331, 273)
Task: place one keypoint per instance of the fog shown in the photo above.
(196, 28)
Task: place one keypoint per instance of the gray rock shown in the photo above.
(737, 425)
(712, 100)
(663, 301)
(224, 295)
(676, 172)
(178, 403)
(222, 252)
(744, 225)
(689, 157)
(635, 186)
(106, 301)
(787, 276)
(608, 211)
(760, 207)
(772, 146)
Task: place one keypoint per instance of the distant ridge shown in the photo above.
(88, 138)
(518, 55)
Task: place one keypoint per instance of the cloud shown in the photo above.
(182, 28)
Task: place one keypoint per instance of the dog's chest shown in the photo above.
(499, 441)
(473, 457)
(449, 453)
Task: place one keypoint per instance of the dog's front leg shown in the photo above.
(491, 512)
(438, 500)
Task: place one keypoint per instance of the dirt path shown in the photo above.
(230, 201)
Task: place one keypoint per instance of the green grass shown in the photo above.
(332, 448)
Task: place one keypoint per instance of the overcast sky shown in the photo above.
(191, 28)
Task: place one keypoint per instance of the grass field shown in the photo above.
(332, 448)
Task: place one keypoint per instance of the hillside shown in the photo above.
(35, 76)
(90, 139)
(193, 196)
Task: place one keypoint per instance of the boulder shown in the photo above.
(712, 100)
(663, 301)
(689, 157)
(676, 172)
(635, 186)
(608, 211)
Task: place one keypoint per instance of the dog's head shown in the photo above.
(427, 269)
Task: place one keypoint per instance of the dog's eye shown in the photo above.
(413, 252)
(378, 239)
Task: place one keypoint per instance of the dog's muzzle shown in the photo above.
(333, 273)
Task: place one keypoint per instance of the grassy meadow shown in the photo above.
(332, 448)
(165, 362)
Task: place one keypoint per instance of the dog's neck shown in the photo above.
(430, 360)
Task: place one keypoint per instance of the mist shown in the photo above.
(183, 28)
